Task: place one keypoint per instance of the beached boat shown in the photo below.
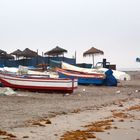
(119, 75)
(83, 78)
(38, 83)
(25, 70)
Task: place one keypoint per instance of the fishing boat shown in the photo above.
(119, 75)
(83, 78)
(38, 83)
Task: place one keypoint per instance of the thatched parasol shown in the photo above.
(2, 52)
(17, 53)
(6, 56)
(56, 51)
(28, 53)
(91, 52)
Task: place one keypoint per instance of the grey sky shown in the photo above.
(76, 25)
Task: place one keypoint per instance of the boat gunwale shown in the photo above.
(20, 77)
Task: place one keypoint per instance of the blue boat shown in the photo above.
(83, 78)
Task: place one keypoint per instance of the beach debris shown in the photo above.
(22, 95)
(122, 115)
(108, 133)
(118, 91)
(107, 127)
(25, 137)
(7, 91)
(9, 136)
(132, 127)
(99, 126)
(67, 94)
(120, 105)
(84, 89)
(129, 93)
(118, 102)
(32, 132)
(76, 111)
(115, 127)
(137, 90)
(77, 135)
(40, 122)
(79, 95)
(137, 107)
(121, 120)
(63, 112)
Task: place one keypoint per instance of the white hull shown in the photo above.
(39, 83)
(119, 75)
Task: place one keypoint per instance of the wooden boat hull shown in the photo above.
(83, 78)
(39, 84)
(119, 75)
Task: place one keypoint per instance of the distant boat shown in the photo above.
(40, 83)
(83, 78)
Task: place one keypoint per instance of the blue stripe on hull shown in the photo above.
(84, 81)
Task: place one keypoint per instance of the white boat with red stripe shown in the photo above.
(39, 83)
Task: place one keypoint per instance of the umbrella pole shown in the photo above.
(93, 59)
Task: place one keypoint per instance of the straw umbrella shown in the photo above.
(6, 56)
(92, 52)
(29, 53)
(2, 52)
(17, 53)
(56, 51)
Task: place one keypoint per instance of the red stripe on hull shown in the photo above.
(81, 74)
(38, 88)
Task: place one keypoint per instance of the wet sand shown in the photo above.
(26, 114)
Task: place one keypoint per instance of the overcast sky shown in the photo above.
(76, 25)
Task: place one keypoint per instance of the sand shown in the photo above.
(42, 116)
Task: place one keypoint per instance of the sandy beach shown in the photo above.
(41, 116)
